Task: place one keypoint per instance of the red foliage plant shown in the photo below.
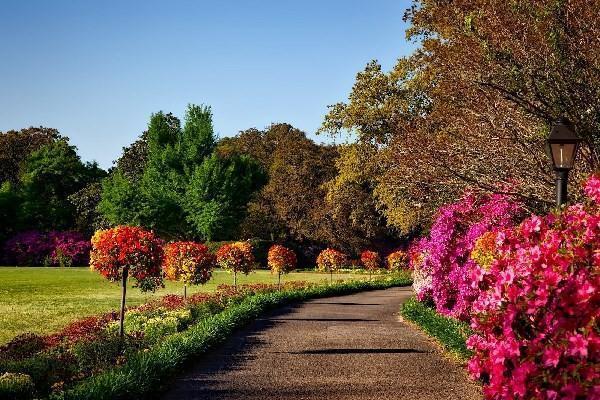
(371, 260)
(128, 247)
(188, 262)
(331, 260)
(397, 260)
(236, 257)
(281, 259)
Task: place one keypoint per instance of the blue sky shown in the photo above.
(97, 70)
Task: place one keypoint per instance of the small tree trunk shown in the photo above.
(123, 294)
(279, 281)
(184, 291)
(330, 276)
(370, 275)
(235, 279)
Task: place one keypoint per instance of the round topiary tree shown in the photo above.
(236, 257)
(397, 260)
(125, 251)
(330, 260)
(188, 262)
(371, 260)
(281, 260)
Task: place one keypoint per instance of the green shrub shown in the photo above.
(15, 386)
(101, 353)
(205, 309)
(449, 332)
(154, 324)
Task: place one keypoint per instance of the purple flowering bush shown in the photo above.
(441, 261)
(47, 248)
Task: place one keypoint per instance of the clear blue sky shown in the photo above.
(96, 70)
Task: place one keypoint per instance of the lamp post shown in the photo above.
(562, 144)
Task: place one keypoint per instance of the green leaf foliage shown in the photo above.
(183, 189)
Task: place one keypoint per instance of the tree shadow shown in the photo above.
(346, 304)
(325, 320)
(360, 351)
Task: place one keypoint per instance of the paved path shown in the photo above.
(348, 347)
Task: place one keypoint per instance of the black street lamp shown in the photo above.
(562, 145)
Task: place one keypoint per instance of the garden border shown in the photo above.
(151, 371)
(449, 333)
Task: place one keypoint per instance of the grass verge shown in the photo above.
(451, 334)
(148, 372)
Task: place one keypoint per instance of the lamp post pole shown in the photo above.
(562, 179)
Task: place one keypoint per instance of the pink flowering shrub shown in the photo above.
(47, 248)
(441, 262)
(536, 320)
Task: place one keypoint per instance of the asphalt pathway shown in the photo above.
(347, 347)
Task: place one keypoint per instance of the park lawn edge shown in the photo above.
(150, 372)
(449, 333)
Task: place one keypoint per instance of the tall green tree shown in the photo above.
(16, 146)
(183, 190)
(218, 194)
(48, 176)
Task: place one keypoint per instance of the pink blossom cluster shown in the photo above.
(441, 261)
(47, 248)
(536, 320)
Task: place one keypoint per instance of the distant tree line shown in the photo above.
(183, 182)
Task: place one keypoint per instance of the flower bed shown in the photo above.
(60, 363)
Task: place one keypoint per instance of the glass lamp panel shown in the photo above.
(563, 154)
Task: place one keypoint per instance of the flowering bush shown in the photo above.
(397, 260)
(443, 258)
(70, 248)
(536, 319)
(131, 248)
(188, 262)
(371, 260)
(51, 248)
(236, 257)
(331, 260)
(281, 259)
(421, 272)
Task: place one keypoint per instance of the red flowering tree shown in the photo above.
(330, 260)
(188, 262)
(397, 260)
(125, 251)
(281, 260)
(536, 318)
(371, 260)
(236, 257)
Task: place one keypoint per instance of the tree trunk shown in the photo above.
(235, 279)
(123, 294)
(279, 281)
(330, 277)
(184, 291)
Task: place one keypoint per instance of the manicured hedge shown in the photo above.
(150, 371)
(449, 332)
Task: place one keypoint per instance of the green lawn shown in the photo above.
(43, 300)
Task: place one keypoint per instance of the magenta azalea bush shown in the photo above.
(441, 261)
(47, 248)
(536, 321)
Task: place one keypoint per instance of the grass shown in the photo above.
(451, 334)
(43, 300)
